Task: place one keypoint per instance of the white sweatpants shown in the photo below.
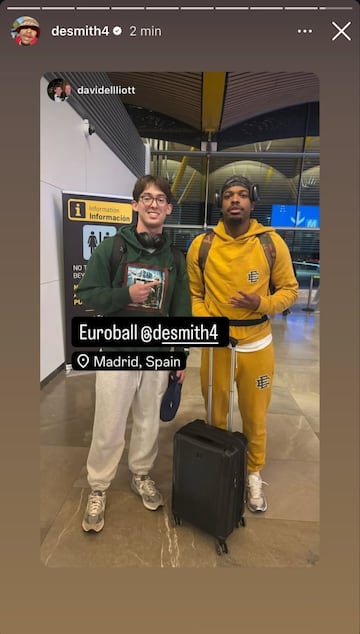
(116, 393)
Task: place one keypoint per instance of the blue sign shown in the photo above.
(93, 235)
(307, 216)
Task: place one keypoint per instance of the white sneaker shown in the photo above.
(256, 500)
(145, 487)
(95, 510)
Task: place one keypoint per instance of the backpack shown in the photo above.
(118, 255)
(266, 242)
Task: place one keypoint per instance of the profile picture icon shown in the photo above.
(25, 31)
(59, 89)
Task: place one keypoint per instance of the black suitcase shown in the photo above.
(210, 471)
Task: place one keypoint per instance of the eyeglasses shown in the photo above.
(148, 199)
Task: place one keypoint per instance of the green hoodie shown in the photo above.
(112, 299)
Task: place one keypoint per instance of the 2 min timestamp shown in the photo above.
(145, 31)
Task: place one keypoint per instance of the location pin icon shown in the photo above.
(83, 360)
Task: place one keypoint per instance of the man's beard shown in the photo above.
(234, 220)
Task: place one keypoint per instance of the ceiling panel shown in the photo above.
(251, 94)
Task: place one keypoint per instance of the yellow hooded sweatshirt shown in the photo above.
(240, 263)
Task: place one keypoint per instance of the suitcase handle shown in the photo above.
(233, 343)
(212, 442)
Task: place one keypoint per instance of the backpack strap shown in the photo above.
(118, 255)
(204, 248)
(178, 255)
(269, 248)
(265, 239)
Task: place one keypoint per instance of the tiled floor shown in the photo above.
(287, 535)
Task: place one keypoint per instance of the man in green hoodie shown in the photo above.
(148, 256)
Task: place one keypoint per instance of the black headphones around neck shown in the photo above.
(151, 240)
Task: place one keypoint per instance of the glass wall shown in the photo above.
(286, 171)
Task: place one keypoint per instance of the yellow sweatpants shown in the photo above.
(254, 373)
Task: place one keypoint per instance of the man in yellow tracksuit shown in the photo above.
(234, 282)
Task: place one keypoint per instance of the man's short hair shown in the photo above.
(157, 181)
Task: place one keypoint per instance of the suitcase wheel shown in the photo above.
(221, 547)
(177, 520)
(243, 521)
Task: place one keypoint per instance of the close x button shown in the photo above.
(340, 30)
